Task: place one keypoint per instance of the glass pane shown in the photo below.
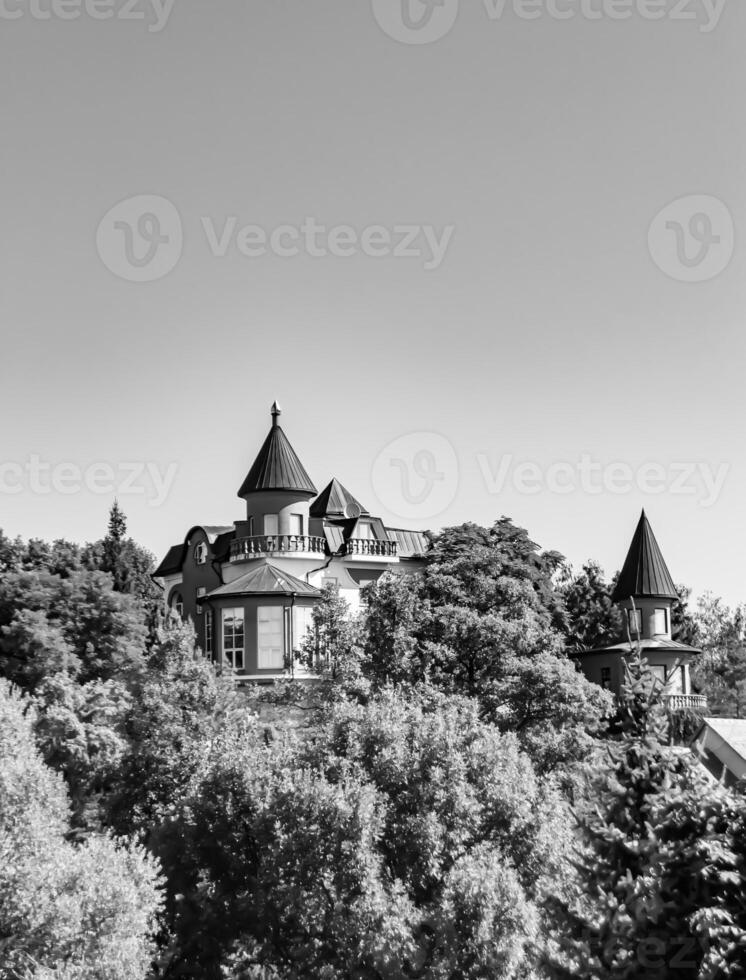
(271, 638)
(270, 523)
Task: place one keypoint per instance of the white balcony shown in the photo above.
(370, 549)
(686, 702)
(267, 545)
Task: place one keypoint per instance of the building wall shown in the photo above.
(193, 578)
(281, 503)
(593, 665)
(647, 609)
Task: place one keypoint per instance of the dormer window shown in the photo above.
(200, 553)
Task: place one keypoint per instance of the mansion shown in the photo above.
(249, 588)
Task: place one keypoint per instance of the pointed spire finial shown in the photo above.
(276, 412)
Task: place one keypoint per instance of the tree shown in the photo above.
(129, 565)
(79, 731)
(683, 623)
(467, 557)
(409, 839)
(479, 622)
(593, 620)
(660, 892)
(176, 712)
(332, 643)
(78, 623)
(9, 553)
(720, 673)
(65, 910)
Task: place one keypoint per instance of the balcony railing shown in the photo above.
(686, 702)
(259, 545)
(371, 548)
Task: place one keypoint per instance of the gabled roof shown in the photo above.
(277, 466)
(218, 536)
(214, 531)
(336, 501)
(265, 579)
(644, 573)
(171, 564)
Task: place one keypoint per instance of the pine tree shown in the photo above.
(117, 523)
(113, 546)
(659, 892)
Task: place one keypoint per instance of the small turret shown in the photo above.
(645, 589)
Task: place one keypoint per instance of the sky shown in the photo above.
(487, 258)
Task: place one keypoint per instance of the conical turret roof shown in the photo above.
(644, 573)
(277, 466)
(336, 501)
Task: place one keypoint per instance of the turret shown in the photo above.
(277, 488)
(645, 590)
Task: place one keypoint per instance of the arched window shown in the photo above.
(177, 604)
(200, 553)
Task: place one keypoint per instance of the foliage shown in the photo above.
(77, 623)
(331, 645)
(593, 620)
(84, 910)
(79, 730)
(178, 708)
(409, 839)
(479, 623)
(720, 673)
(660, 891)
(129, 565)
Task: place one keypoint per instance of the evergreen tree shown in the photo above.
(659, 893)
(113, 545)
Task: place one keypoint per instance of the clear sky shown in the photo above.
(554, 329)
